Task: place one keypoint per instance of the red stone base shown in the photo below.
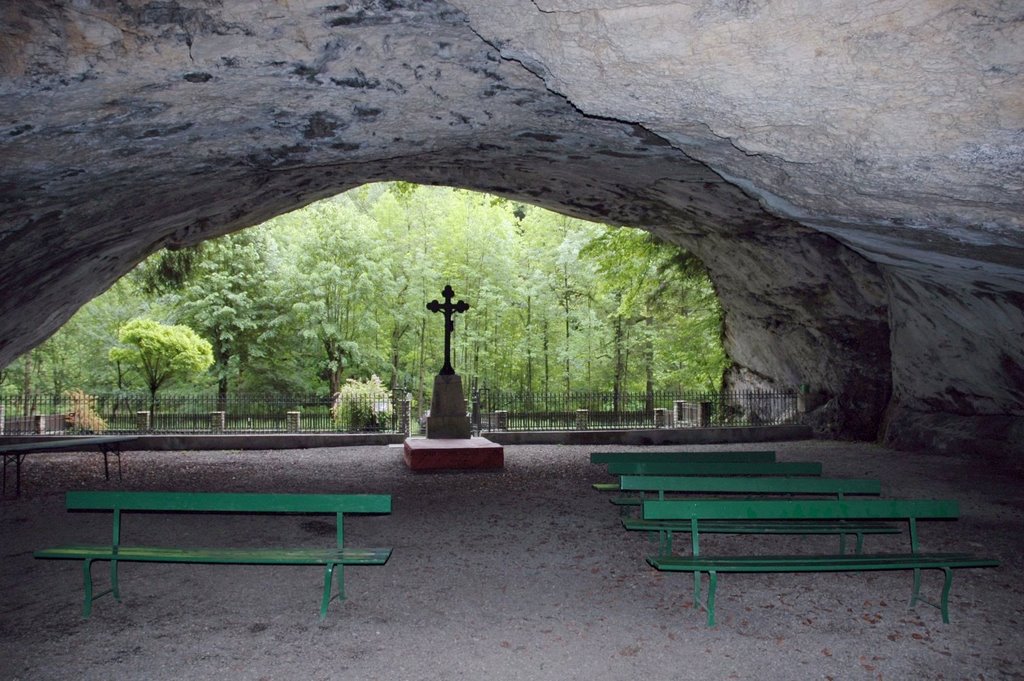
(425, 454)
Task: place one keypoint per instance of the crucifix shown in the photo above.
(449, 324)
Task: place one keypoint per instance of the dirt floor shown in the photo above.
(524, 573)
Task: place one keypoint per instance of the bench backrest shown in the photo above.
(230, 502)
(800, 509)
(718, 468)
(762, 456)
(751, 485)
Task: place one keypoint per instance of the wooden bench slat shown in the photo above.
(716, 468)
(819, 563)
(262, 556)
(764, 527)
(757, 485)
(721, 509)
(763, 456)
(230, 502)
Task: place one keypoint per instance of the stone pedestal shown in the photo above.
(448, 420)
(448, 445)
(476, 453)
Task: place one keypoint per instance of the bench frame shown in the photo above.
(722, 468)
(734, 456)
(838, 487)
(108, 444)
(333, 559)
(699, 511)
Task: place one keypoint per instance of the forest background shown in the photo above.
(338, 290)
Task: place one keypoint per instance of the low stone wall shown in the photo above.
(659, 436)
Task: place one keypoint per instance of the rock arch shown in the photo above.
(852, 182)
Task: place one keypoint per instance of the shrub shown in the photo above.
(82, 416)
(361, 405)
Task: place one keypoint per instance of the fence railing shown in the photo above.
(498, 410)
(127, 413)
(124, 413)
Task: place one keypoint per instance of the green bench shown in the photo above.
(838, 487)
(333, 558)
(16, 452)
(601, 458)
(717, 468)
(763, 456)
(699, 512)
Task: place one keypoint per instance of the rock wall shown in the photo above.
(851, 174)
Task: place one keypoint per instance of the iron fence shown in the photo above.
(128, 413)
(500, 410)
(124, 413)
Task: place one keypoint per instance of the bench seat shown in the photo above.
(819, 563)
(333, 558)
(824, 563)
(252, 556)
(701, 514)
(666, 528)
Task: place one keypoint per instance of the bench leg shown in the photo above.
(87, 577)
(328, 583)
(943, 604)
(87, 584)
(106, 464)
(113, 581)
(712, 585)
(666, 542)
(945, 594)
(915, 595)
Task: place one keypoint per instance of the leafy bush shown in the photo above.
(361, 405)
(82, 416)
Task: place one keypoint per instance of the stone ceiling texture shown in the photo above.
(852, 174)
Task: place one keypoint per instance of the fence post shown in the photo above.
(704, 414)
(660, 418)
(406, 425)
(294, 421)
(582, 419)
(142, 421)
(474, 414)
(217, 421)
(3, 417)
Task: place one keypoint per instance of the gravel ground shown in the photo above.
(523, 573)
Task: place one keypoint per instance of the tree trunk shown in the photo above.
(618, 342)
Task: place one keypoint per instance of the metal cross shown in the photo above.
(449, 324)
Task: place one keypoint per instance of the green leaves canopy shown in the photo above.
(160, 352)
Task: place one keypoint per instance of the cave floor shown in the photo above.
(522, 573)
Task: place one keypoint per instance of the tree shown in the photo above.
(161, 352)
(227, 298)
(331, 279)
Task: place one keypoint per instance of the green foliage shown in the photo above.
(361, 405)
(168, 270)
(82, 416)
(160, 352)
(338, 290)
